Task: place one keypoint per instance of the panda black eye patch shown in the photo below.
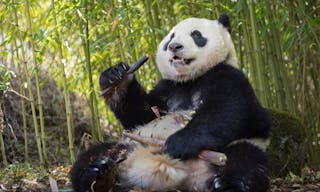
(198, 39)
(165, 47)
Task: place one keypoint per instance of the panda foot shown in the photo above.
(227, 184)
(96, 173)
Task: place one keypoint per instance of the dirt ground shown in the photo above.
(25, 178)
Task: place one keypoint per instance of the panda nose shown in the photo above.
(174, 47)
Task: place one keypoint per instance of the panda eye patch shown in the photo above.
(196, 34)
(165, 47)
(198, 39)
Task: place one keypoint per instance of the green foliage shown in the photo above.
(19, 170)
(5, 76)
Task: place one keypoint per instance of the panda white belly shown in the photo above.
(148, 168)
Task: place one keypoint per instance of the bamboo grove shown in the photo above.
(71, 42)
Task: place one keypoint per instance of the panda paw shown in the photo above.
(113, 77)
(227, 184)
(182, 145)
(95, 172)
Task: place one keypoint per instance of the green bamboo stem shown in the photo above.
(160, 13)
(276, 77)
(3, 150)
(23, 105)
(275, 80)
(170, 10)
(261, 81)
(156, 21)
(40, 140)
(65, 87)
(148, 13)
(239, 44)
(249, 56)
(314, 72)
(21, 88)
(130, 42)
(283, 86)
(118, 36)
(283, 72)
(97, 133)
(216, 3)
(268, 89)
(31, 96)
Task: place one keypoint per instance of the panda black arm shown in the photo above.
(230, 111)
(125, 96)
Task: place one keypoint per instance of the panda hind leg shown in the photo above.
(246, 170)
(96, 168)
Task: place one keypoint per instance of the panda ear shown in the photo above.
(225, 21)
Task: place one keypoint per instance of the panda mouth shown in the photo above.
(180, 60)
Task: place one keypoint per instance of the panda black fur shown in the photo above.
(199, 67)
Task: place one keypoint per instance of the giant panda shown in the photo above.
(201, 80)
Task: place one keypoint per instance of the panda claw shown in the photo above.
(217, 182)
(124, 66)
(95, 169)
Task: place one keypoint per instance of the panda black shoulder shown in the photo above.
(233, 80)
(229, 77)
(224, 67)
(226, 71)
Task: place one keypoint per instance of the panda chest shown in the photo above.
(183, 100)
(181, 105)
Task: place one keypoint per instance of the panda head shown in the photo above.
(194, 46)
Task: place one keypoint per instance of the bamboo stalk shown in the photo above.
(40, 140)
(3, 149)
(23, 105)
(21, 88)
(239, 31)
(265, 65)
(214, 157)
(216, 8)
(65, 87)
(148, 13)
(31, 96)
(97, 133)
(249, 60)
(284, 88)
(156, 21)
(261, 81)
(130, 43)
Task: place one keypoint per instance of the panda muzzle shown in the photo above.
(180, 60)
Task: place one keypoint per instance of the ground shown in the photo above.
(25, 178)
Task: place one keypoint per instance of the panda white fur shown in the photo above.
(148, 168)
(198, 64)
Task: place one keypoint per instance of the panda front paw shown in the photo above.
(100, 173)
(183, 145)
(113, 77)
